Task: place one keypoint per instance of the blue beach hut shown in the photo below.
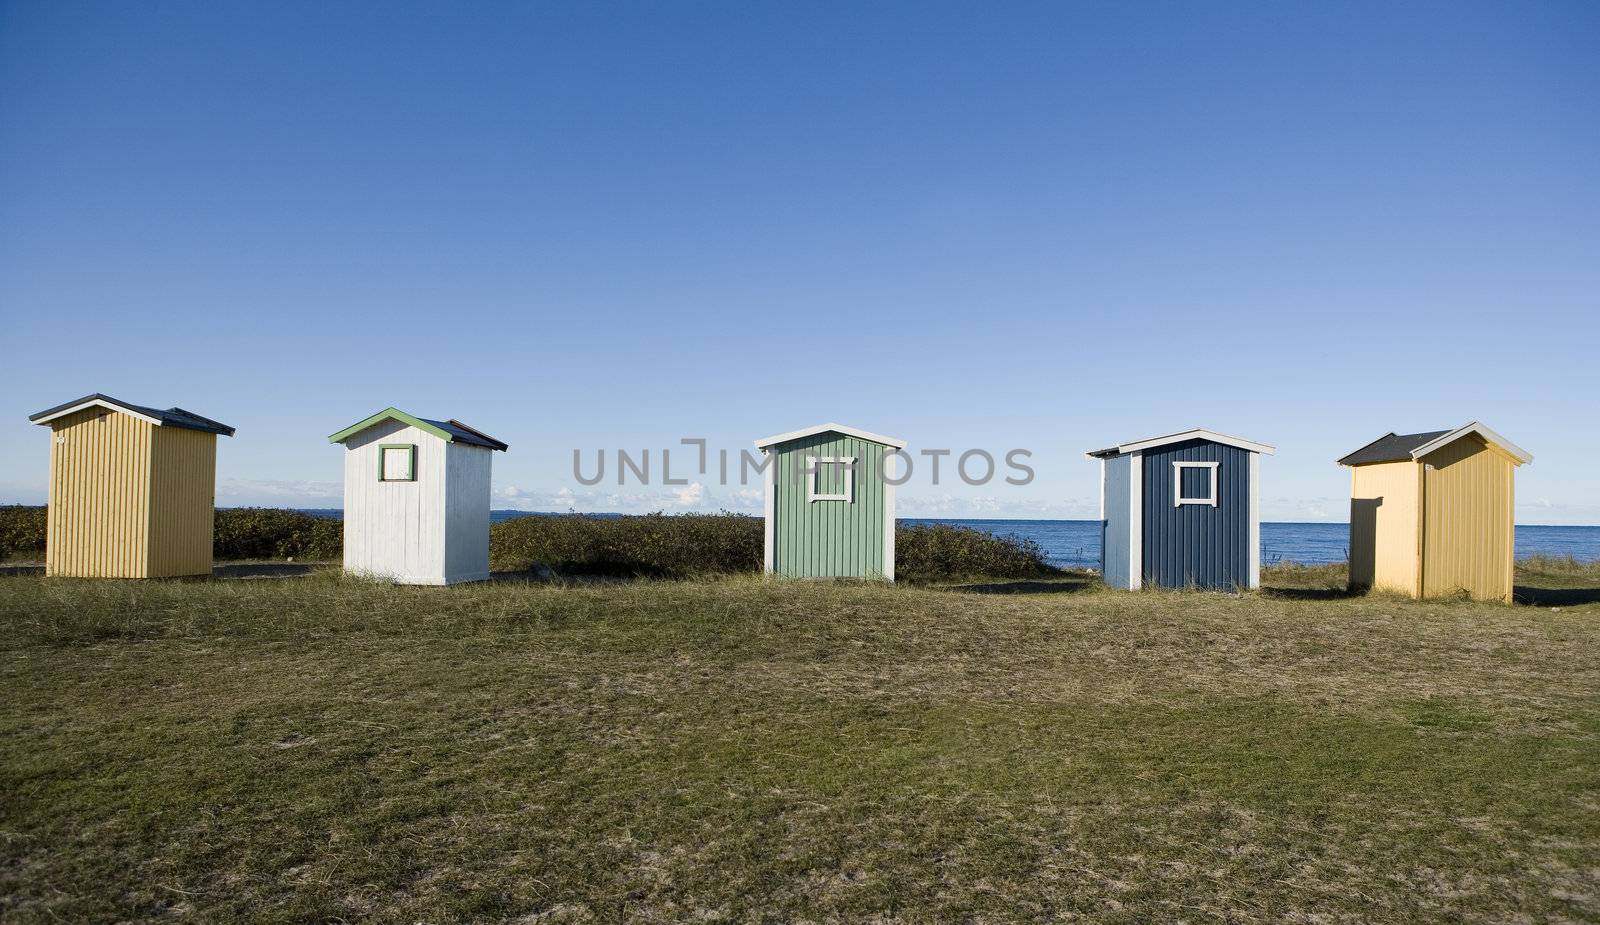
(1181, 511)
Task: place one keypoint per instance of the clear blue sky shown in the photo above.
(580, 226)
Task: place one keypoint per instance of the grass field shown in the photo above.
(734, 750)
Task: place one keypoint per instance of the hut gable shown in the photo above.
(1392, 447)
(99, 403)
(451, 431)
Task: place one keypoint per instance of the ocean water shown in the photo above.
(1077, 542)
(1070, 543)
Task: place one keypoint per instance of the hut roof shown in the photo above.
(1392, 447)
(451, 431)
(830, 428)
(170, 417)
(1197, 433)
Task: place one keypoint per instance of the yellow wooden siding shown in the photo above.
(1383, 526)
(1468, 536)
(183, 502)
(98, 519)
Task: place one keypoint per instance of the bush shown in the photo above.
(272, 533)
(699, 544)
(658, 545)
(936, 552)
(22, 531)
(653, 544)
(1559, 565)
(240, 533)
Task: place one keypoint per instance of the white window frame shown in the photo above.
(1178, 500)
(814, 466)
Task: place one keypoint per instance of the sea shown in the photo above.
(1070, 543)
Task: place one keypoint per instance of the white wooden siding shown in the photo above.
(467, 512)
(395, 530)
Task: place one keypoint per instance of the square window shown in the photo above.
(1194, 483)
(397, 462)
(833, 478)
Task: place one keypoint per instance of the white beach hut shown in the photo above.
(416, 499)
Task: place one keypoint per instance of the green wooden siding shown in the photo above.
(823, 539)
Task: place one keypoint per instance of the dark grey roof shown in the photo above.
(176, 417)
(1390, 448)
(462, 433)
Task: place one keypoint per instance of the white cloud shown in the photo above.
(750, 499)
(279, 493)
(690, 496)
(23, 493)
(997, 507)
(1305, 510)
(695, 496)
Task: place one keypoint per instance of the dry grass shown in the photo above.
(738, 749)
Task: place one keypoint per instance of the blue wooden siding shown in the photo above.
(1197, 544)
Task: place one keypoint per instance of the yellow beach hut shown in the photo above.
(132, 489)
(1431, 513)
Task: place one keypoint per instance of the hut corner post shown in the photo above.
(891, 461)
(1255, 521)
(769, 538)
(1135, 521)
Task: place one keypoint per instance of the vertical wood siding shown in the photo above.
(466, 505)
(99, 512)
(183, 481)
(395, 530)
(1468, 531)
(818, 539)
(1117, 525)
(1197, 544)
(1384, 519)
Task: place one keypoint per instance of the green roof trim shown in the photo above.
(391, 414)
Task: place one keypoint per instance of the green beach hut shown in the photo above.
(830, 503)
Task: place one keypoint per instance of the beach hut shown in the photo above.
(1181, 511)
(416, 499)
(830, 503)
(1431, 513)
(132, 489)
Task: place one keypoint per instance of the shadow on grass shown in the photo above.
(239, 570)
(262, 570)
(1310, 594)
(536, 575)
(1555, 597)
(1053, 586)
(1523, 594)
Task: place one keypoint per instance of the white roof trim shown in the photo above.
(1196, 434)
(1489, 436)
(765, 442)
(98, 403)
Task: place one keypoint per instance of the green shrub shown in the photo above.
(659, 545)
(273, 533)
(22, 530)
(240, 533)
(1567, 566)
(700, 544)
(653, 544)
(935, 552)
